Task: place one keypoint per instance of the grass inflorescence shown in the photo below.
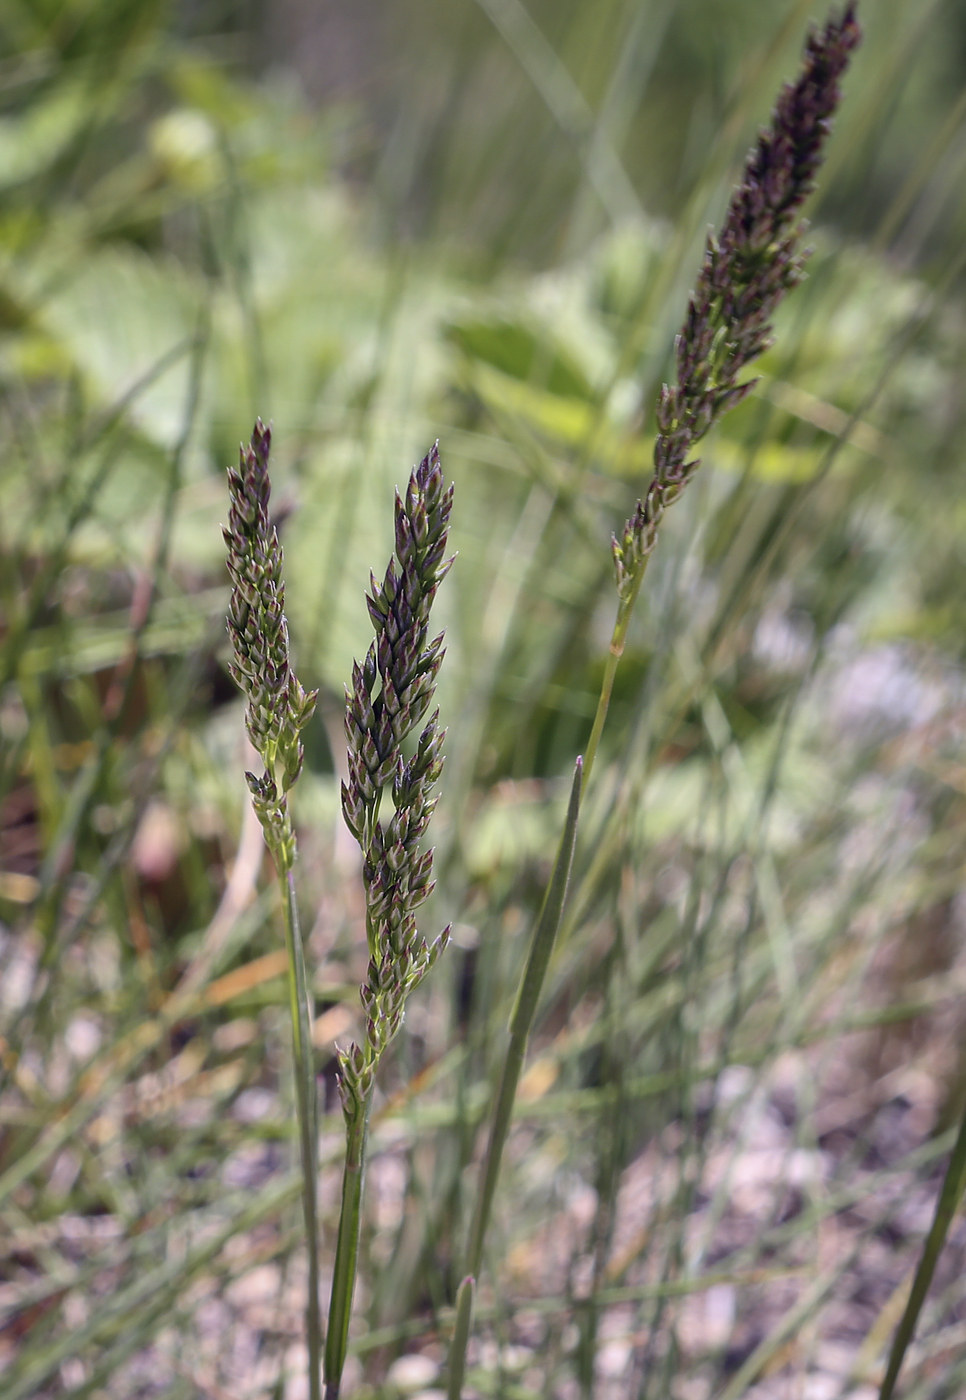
(390, 694)
(745, 274)
(748, 269)
(278, 707)
(278, 710)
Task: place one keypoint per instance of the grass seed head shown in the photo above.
(278, 706)
(747, 270)
(392, 690)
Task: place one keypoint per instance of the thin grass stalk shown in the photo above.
(615, 651)
(521, 1023)
(950, 1196)
(308, 1115)
(599, 160)
(347, 1248)
(465, 1303)
(787, 1327)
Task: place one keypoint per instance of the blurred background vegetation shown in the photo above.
(378, 224)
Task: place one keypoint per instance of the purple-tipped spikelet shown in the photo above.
(278, 707)
(391, 693)
(746, 272)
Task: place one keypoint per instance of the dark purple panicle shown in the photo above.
(747, 270)
(391, 692)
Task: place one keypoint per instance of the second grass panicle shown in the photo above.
(391, 692)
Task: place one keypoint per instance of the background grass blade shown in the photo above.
(950, 1197)
(521, 1023)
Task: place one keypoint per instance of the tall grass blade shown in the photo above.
(564, 99)
(954, 1184)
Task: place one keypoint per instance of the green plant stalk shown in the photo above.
(954, 1184)
(615, 651)
(347, 1248)
(307, 1108)
(465, 1298)
(521, 1023)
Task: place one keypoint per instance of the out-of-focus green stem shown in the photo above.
(954, 1184)
(528, 997)
(521, 1022)
(614, 653)
(307, 1107)
(465, 1298)
(347, 1247)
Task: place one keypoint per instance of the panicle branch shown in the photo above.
(747, 270)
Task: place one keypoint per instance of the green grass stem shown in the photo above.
(347, 1248)
(465, 1299)
(614, 653)
(954, 1184)
(521, 1022)
(307, 1105)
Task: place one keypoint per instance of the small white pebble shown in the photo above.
(612, 1359)
(412, 1372)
